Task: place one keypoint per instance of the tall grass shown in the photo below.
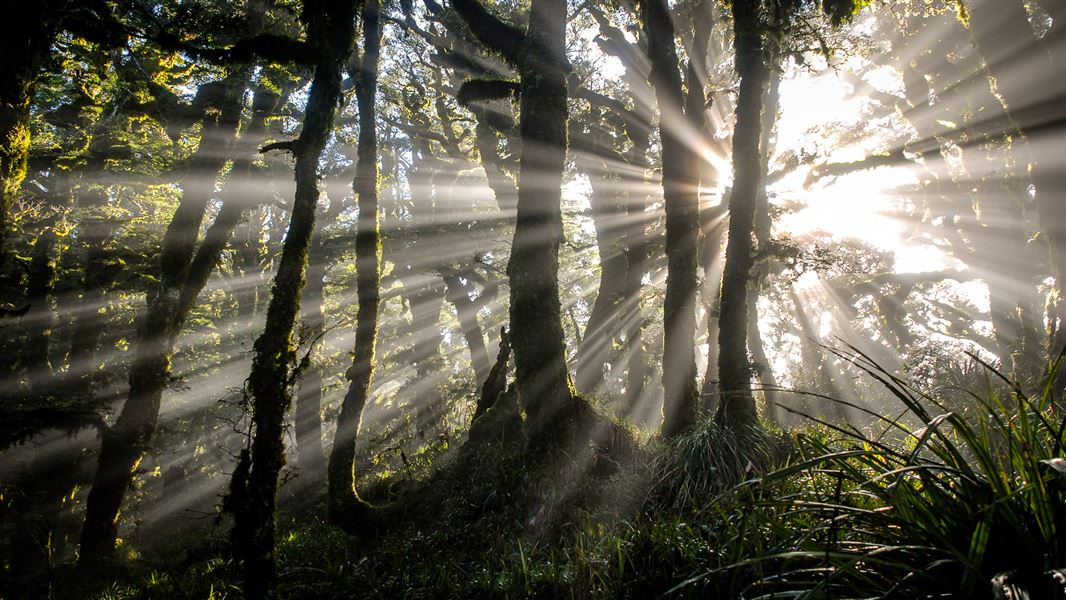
(956, 505)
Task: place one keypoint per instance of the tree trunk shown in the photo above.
(124, 444)
(760, 364)
(763, 225)
(330, 32)
(681, 199)
(713, 229)
(343, 498)
(554, 415)
(466, 310)
(736, 406)
(501, 184)
(812, 356)
(1035, 96)
(310, 455)
(425, 304)
(608, 217)
(537, 339)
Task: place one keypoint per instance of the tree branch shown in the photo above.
(480, 90)
(870, 162)
(495, 34)
(265, 46)
(288, 145)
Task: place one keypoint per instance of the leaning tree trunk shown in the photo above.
(185, 271)
(736, 406)
(343, 501)
(681, 199)
(124, 443)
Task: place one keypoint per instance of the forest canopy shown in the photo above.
(545, 298)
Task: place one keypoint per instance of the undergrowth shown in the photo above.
(933, 502)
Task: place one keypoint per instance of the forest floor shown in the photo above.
(946, 501)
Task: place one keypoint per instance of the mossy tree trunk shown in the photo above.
(185, 269)
(330, 34)
(681, 199)
(538, 54)
(343, 501)
(536, 335)
(736, 405)
(124, 443)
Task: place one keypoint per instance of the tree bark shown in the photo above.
(681, 199)
(763, 226)
(760, 364)
(343, 499)
(458, 293)
(425, 303)
(537, 339)
(813, 356)
(736, 406)
(608, 217)
(124, 443)
(330, 33)
(310, 453)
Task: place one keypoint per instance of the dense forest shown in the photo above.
(545, 298)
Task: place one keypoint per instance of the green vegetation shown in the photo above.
(931, 503)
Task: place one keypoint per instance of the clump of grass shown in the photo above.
(695, 468)
(962, 505)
